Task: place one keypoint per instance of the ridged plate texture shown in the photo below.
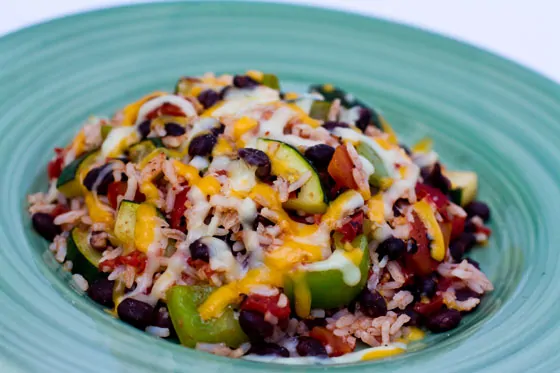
(484, 113)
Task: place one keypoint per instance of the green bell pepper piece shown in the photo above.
(183, 302)
(327, 288)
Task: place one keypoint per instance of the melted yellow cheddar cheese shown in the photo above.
(97, 211)
(376, 209)
(392, 136)
(209, 185)
(423, 146)
(241, 127)
(255, 75)
(382, 352)
(223, 147)
(426, 214)
(146, 223)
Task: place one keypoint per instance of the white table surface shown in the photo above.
(523, 30)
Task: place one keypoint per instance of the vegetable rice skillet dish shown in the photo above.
(249, 222)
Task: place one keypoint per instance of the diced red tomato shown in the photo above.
(136, 259)
(118, 188)
(427, 309)
(327, 338)
(59, 210)
(264, 304)
(340, 168)
(353, 228)
(54, 168)
(420, 263)
(444, 283)
(115, 189)
(439, 199)
(179, 209)
(457, 226)
(166, 109)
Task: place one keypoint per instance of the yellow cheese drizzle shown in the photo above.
(426, 214)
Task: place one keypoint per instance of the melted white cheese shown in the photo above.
(337, 261)
(200, 163)
(185, 106)
(221, 258)
(118, 139)
(241, 176)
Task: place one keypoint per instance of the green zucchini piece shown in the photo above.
(138, 151)
(327, 287)
(271, 81)
(126, 222)
(105, 129)
(331, 93)
(183, 302)
(464, 186)
(371, 155)
(290, 164)
(320, 110)
(69, 182)
(85, 259)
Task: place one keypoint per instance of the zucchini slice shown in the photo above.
(126, 221)
(138, 151)
(85, 260)
(290, 164)
(271, 81)
(464, 186)
(320, 110)
(70, 180)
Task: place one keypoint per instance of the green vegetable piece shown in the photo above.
(85, 259)
(271, 81)
(288, 162)
(105, 129)
(69, 182)
(327, 287)
(371, 155)
(137, 152)
(126, 221)
(331, 93)
(320, 110)
(183, 303)
(464, 186)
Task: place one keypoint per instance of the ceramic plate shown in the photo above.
(484, 113)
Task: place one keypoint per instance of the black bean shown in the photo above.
(262, 220)
(477, 208)
(135, 313)
(224, 92)
(202, 145)
(427, 287)
(393, 247)
(144, 128)
(415, 318)
(308, 346)
(255, 157)
(469, 239)
(444, 321)
(174, 129)
(411, 246)
(218, 130)
(254, 325)
(208, 98)
(399, 205)
(331, 125)
(264, 348)
(364, 118)
(372, 304)
(406, 149)
(435, 178)
(320, 155)
(199, 251)
(466, 293)
(44, 225)
(244, 81)
(470, 226)
(311, 323)
(103, 184)
(161, 319)
(457, 250)
(473, 262)
(101, 291)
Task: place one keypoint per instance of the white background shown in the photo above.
(527, 31)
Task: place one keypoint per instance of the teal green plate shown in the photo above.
(485, 114)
